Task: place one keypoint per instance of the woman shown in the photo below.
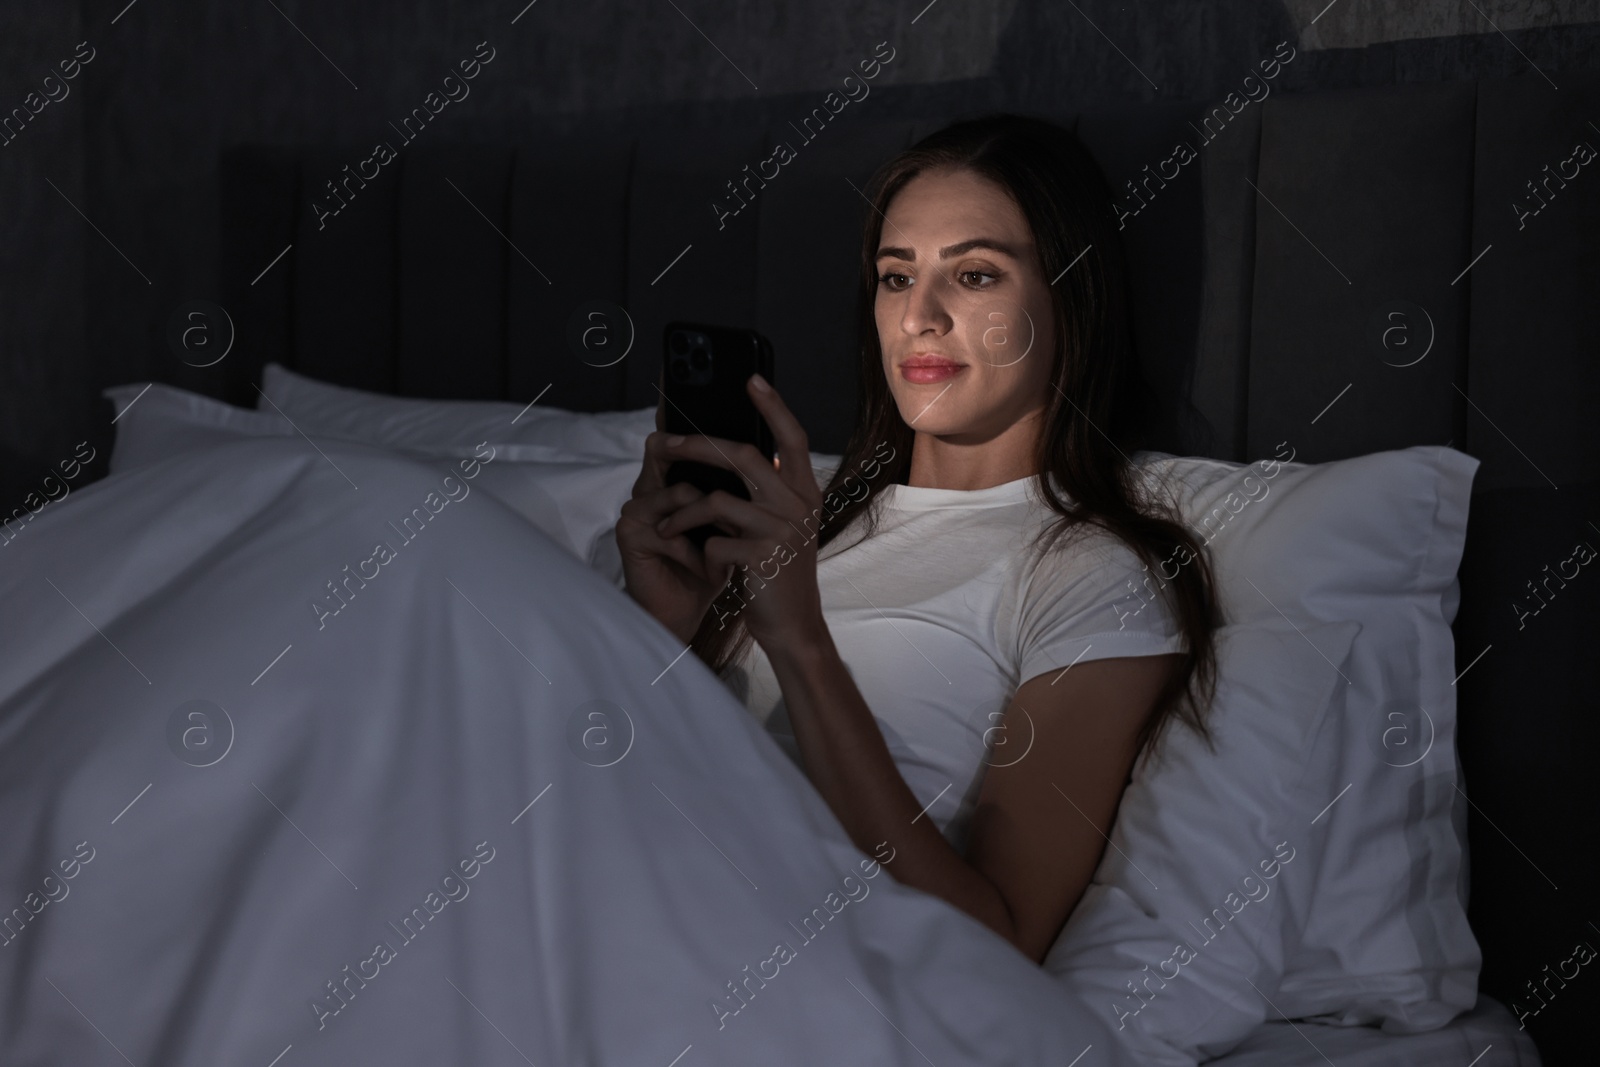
(1002, 553)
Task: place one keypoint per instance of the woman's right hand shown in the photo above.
(665, 575)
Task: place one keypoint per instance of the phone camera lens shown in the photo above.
(699, 358)
(679, 370)
(678, 342)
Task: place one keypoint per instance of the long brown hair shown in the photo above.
(1099, 411)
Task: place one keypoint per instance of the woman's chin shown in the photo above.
(923, 406)
(927, 423)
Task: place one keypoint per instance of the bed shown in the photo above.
(353, 752)
(253, 793)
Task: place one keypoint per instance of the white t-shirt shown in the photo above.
(945, 611)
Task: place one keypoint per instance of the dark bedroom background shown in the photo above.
(109, 195)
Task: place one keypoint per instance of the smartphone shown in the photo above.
(704, 369)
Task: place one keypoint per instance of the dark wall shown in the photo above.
(45, 377)
(110, 210)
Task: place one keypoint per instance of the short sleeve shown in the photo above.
(1091, 598)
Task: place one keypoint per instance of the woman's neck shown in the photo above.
(952, 463)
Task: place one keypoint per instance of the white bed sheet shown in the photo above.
(1487, 1036)
(226, 871)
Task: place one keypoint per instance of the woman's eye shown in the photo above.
(972, 279)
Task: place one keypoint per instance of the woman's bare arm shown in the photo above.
(1041, 823)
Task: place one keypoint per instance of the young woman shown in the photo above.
(969, 638)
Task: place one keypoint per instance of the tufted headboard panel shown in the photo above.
(458, 270)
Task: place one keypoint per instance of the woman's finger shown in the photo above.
(766, 485)
(653, 505)
(653, 471)
(741, 517)
(682, 551)
(640, 536)
(794, 448)
(637, 525)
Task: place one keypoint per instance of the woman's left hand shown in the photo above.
(775, 530)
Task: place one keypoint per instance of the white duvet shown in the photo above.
(472, 808)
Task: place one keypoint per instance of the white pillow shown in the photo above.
(1227, 830)
(155, 421)
(456, 427)
(449, 427)
(566, 472)
(1377, 540)
(588, 446)
(573, 499)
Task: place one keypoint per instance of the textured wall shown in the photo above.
(184, 78)
(43, 377)
(1364, 22)
(135, 145)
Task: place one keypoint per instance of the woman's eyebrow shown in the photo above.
(952, 250)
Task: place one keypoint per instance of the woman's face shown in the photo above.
(960, 282)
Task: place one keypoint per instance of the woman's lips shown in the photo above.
(929, 374)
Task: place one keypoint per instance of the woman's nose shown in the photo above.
(927, 305)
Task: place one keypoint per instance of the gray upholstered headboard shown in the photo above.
(1346, 272)
(457, 271)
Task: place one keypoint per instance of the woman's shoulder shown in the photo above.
(1059, 544)
(1074, 564)
(1085, 585)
